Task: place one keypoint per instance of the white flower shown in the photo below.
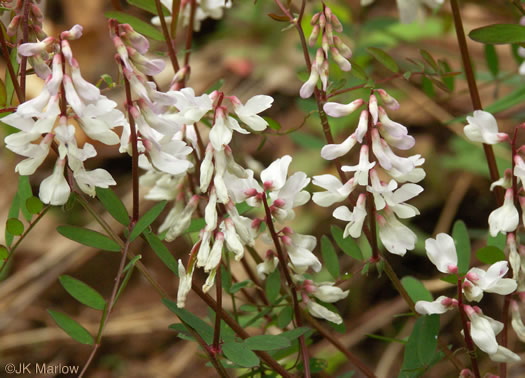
(373, 109)
(442, 252)
(333, 151)
(184, 284)
(361, 170)
(35, 153)
(505, 218)
(394, 133)
(309, 86)
(354, 218)
(519, 168)
(191, 107)
(267, 266)
(362, 126)
(222, 130)
(55, 190)
(395, 236)
(214, 258)
(389, 101)
(483, 128)
(335, 190)
(179, 218)
(300, 249)
(170, 156)
(388, 160)
(491, 281)
(89, 180)
(438, 306)
(483, 331)
(329, 293)
(247, 113)
(337, 110)
(233, 241)
(517, 323)
(319, 311)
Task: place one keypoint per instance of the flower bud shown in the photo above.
(324, 74)
(216, 252)
(35, 48)
(337, 110)
(138, 41)
(389, 101)
(315, 18)
(342, 47)
(314, 35)
(309, 86)
(373, 108)
(341, 61)
(322, 21)
(13, 26)
(74, 33)
(336, 23)
(329, 33)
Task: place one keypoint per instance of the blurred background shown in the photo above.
(252, 54)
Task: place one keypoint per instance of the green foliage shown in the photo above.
(462, 241)
(415, 289)
(14, 209)
(420, 350)
(285, 317)
(347, 245)
(88, 237)
(147, 219)
(272, 124)
(273, 286)
(200, 326)
(4, 253)
(239, 354)
(149, 6)
(491, 56)
(497, 241)
(128, 269)
(113, 205)
(490, 255)
(14, 226)
(266, 342)
(162, 251)
(137, 24)
(330, 257)
(25, 192)
(9, 88)
(499, 34)
(384, 58)
(234, 288)
(82, 292)
(34, 205)
(71, 327)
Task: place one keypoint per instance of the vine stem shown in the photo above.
(25, 39)
(111, 303)
(171, 48)
(10, 68)
(134, 152)
(283, 263)
(466, 331)
(218, 293)
(474, 94)
(22, 237)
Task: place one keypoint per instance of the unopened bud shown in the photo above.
(322, 21)
(315, 19)
(74, 33)
(314, 36)
(324, 74)
(279, 202)
(40, 34)
(13, 26)
(341, 61)
(325, 44)
(329, 33)
(342, 47)
(138, 41)
(37, 13)
(389, 101)
(336, 24)
(309, 86)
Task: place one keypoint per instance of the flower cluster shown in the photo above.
(325, 23)
(35, 18)
(411, 10)
(376, 133)
(483, 329)
(204, 9)
(37, 120)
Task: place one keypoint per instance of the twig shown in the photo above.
(10, 69)
(171, 49)
(25, 39)
(474, 94)
(283, 264)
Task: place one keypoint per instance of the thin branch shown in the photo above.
(171, 48)
(474, 94)
(10, 68)
(283, 263)
(25, 39)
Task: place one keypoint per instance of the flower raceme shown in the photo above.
(325, 23)
(37, 119)
(375, 164)
(441, 251)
